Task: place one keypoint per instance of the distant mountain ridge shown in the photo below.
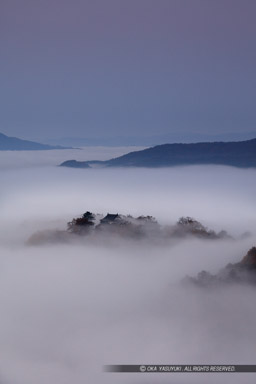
(8, 143)
(238, 154)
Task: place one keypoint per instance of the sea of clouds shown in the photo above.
(68, 309)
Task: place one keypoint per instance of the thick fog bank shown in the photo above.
(68, 309)
(21, 159)
(219, 197)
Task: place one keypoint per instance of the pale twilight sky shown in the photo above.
(127, 67)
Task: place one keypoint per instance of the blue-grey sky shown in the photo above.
(91, 68)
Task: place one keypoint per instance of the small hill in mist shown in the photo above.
(238, 154)
(8, 143)
(114, 226)
(242, 272)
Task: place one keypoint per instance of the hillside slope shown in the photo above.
(15, 144)
(238, 154)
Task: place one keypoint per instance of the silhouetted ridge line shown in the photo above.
(15, 144)
(238, 154)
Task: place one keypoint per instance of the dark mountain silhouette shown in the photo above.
(14, 144)
(237, 154)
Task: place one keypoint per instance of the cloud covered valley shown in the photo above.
(69, 308)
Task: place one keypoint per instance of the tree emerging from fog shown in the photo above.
(115, 226)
